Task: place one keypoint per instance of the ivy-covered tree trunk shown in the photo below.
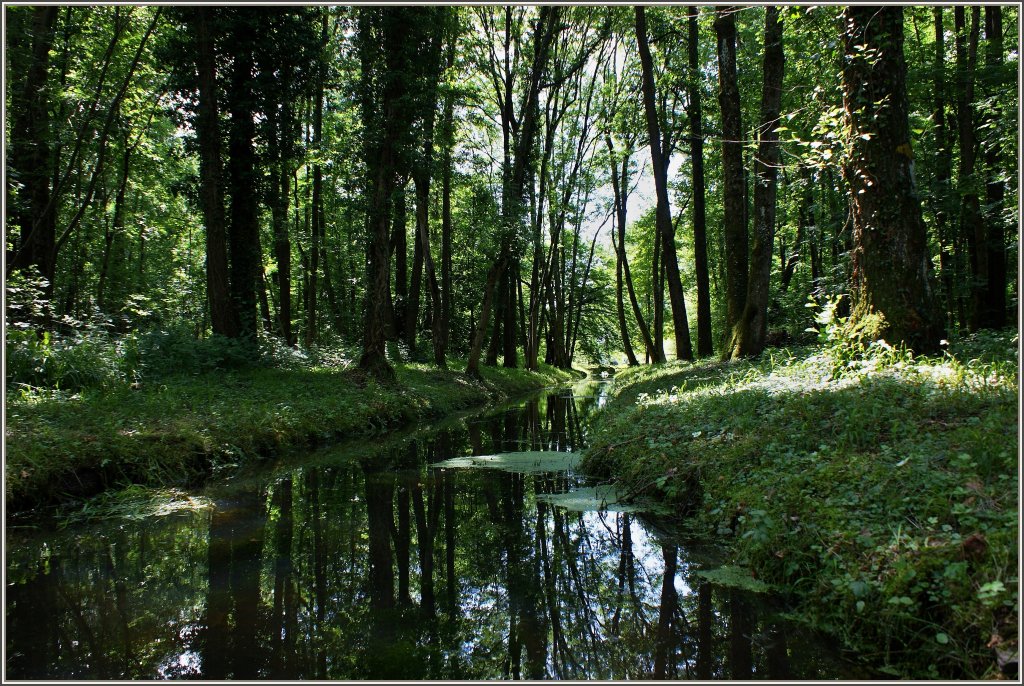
(891, 275)
(734, 224)
(750, 330)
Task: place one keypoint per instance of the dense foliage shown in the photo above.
(358, 176)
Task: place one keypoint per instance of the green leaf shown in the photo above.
(942, 638)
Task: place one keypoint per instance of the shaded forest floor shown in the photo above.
(179, 427)
(879, 492)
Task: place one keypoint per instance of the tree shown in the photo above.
(29, 150)
(890, 260)
(993, 313)
(750, 330)
(705, 343)
(972, 226)
(943, 166)
(516, 160)
(734, 224)
(243, 173)
(665, 228)
(223, 317)
(399, 56)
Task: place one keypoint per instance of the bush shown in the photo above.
(176, 350)
(84, 360)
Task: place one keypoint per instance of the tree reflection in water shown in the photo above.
(383, 567)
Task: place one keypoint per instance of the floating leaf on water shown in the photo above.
(734, 577)
(529, 462)
(589, 499)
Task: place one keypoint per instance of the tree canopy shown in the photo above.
(513, 184)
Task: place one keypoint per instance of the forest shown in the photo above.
(236, 233)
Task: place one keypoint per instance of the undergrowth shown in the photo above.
(876, 489)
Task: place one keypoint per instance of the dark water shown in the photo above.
(366, 563)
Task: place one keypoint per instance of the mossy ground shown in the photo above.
(878, 492)
(178, 429)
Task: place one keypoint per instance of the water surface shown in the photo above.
(364, 562)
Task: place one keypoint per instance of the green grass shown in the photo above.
(177, 429)
(878, 492)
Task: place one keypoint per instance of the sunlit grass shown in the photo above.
(879, 488)
(176, 429)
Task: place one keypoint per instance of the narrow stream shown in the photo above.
(366, 562)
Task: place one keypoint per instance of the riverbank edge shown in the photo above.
(183, 430)
(674, 437)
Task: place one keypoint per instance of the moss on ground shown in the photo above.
(179, 429)
(878, 492)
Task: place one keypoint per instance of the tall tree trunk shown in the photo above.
(223, 317)
(705, 343)
(995, 188)
(412, 305)
(400, 248)
(972, 226)
(476, 346)
(620, 311)
(443, 333)
(277, 130)
(113, 266)
(509, 352)
(317, 233)
(447, 131)
(423, 238)
(890, 259)
(243, 232)
(380, 158)
(30, 152)
(804, 220)
(750, 331)
(620, 181)
(943, 170)
(734, 225)
(663, 213)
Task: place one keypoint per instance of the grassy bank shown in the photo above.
(877, 491)
(180, 428)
